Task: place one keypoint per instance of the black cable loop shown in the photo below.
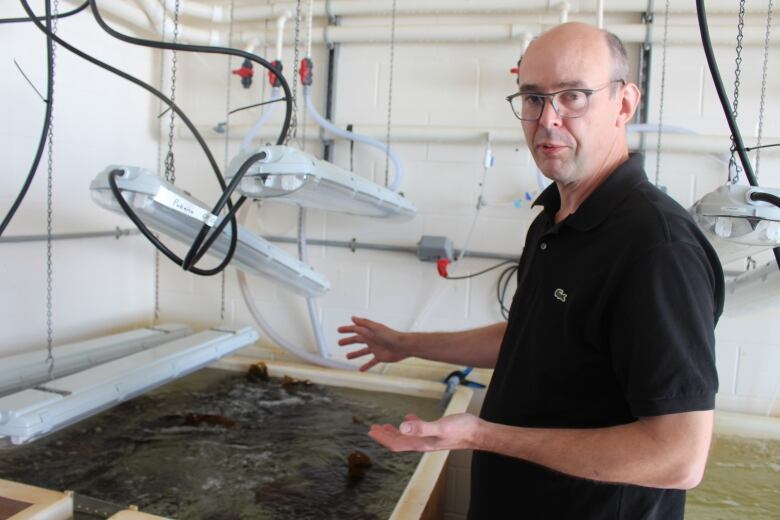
(145, 86)
(196, 246)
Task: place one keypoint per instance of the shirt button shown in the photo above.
(543, 246)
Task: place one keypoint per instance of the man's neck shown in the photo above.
(574, 193)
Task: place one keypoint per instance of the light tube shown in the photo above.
(291, 176)
(169, 210)
(30, 368)
(35, 412)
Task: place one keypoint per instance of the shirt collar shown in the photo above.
(602, 201)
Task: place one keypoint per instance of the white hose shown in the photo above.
(311, 305)
(330, 127)
(266, 327)
(246, 144)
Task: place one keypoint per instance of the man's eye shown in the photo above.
(572, 96)
(533, 100)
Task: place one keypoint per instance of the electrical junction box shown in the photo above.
(432, 248)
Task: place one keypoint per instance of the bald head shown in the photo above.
(571, 44)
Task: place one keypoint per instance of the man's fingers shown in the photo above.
(358, 353)
(350, 340)
(369, 365)
(419, 428)
(346, 329)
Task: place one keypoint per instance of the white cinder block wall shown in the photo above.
(105, 285)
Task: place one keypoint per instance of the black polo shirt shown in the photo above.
(613, 319)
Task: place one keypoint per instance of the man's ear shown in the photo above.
(628, 102)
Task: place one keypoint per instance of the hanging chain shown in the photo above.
(293, 132)
(49, 205)
(159, 168)
(390, 94)
(763, 86)
(170, 166)
(734, 168)
(227, 142)
(662, 96)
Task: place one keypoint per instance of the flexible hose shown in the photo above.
(246, 144)
(311, 304)
(345, 134)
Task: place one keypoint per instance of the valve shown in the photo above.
(306, 71)
(273, 77)
(245, 73)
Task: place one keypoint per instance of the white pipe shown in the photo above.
(280, 22)
(563, 12)
(512, 135)
(309, 16)
(246, 144)
(600, 14)
(155, 12)
(254, 13)
(344, 134)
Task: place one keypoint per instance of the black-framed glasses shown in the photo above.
(568, 103)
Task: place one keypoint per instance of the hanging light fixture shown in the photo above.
(166, 208)
(740, 220)
(32, 413)
(31, 368)
(296, 177)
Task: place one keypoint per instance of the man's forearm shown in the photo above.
(664, 452)
(475, 347)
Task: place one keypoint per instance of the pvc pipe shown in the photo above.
(416, 7)
(600, 14)
(117, 233)
(563, 10)
(246, 144)
(345, 134)
(311, 305)
(280, 22)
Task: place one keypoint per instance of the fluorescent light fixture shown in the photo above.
(754, 290)
(295, 177)
(169, 210)
(30, 368)
(736, 224)
(35, 412)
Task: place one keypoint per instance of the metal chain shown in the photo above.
(170, 166)
(293, 132)
(662, 96)
(49, 205)
(227, 141)
(390, 94)
(159, 171)
(763, 86)
(734, 168)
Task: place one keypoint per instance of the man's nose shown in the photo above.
(549, 116)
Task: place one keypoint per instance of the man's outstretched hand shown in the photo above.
(453, 432)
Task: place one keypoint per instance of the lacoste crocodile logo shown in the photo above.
(560, 295)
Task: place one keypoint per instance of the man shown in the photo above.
(600, 405)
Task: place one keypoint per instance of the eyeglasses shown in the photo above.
(569, 103)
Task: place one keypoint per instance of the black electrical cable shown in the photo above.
(195, 247)
(154, 240)
(701, 15)
(766, 197)
(194, 254)
(751, 148)
(46, 122)
(149, 88)
(42, 18)
(504, 279)
(721, 90)
(466, 277)
(257, 105)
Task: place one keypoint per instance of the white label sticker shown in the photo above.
(171, 200)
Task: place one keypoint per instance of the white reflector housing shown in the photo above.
(31, 413)
(295, 177)
(736, 225)
(30, 368)
(167, 209)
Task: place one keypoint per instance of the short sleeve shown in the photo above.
(662, 336)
